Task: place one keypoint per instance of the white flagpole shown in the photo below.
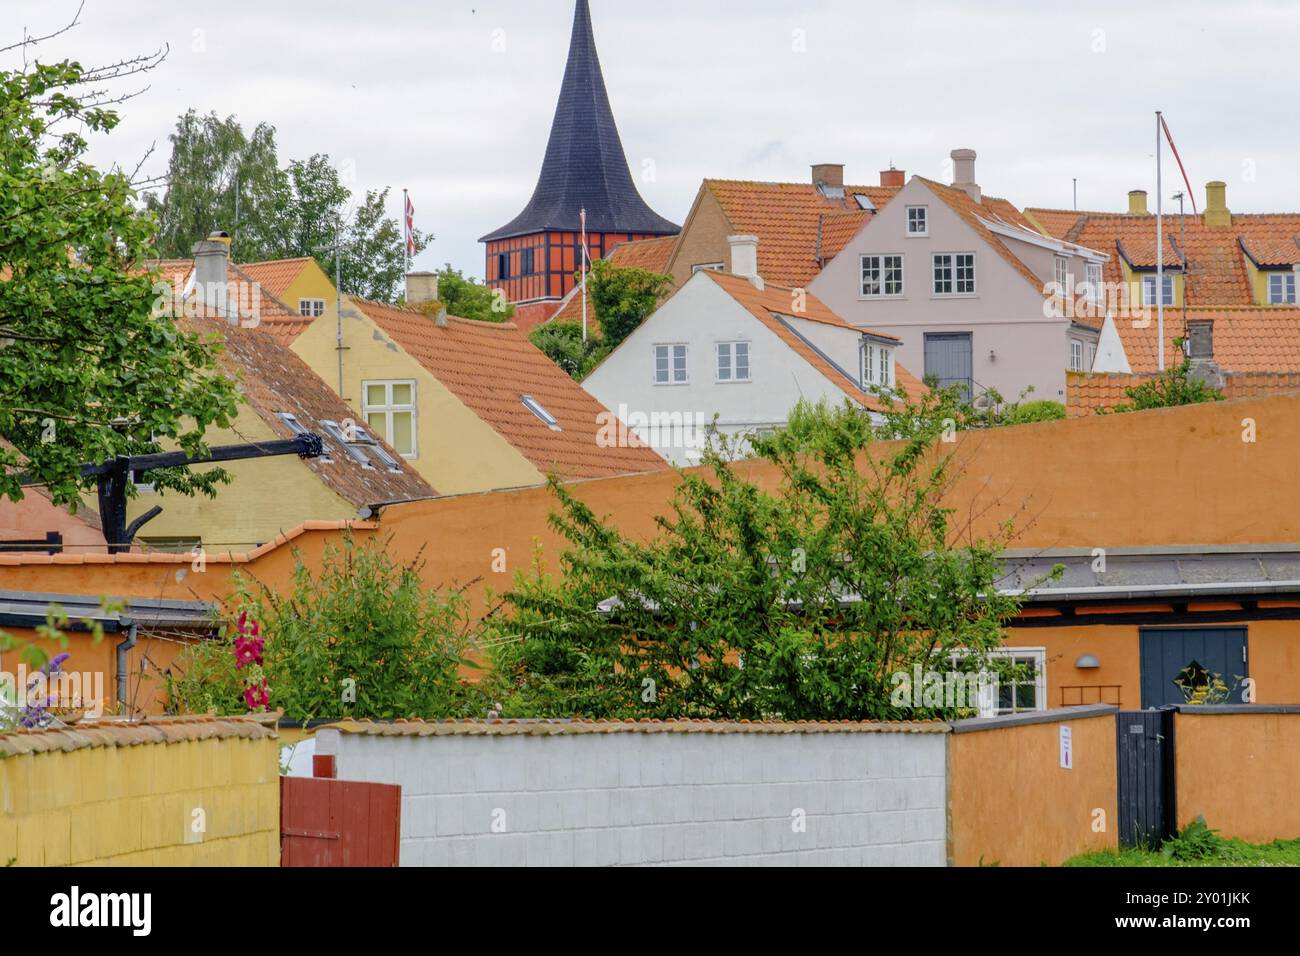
(584, 276)
(1160, 252)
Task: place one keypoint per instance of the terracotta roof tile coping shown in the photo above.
(123, 733)
(551, 728)
(229, 557)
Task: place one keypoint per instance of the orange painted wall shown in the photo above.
(35, 515)
(1241, 772)
(1010, 802)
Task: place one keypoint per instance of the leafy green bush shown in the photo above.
(1198, 842)
(563, 345)
(363, 638)
(1038, 411)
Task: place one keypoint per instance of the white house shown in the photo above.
(732, 347)
(970, 287)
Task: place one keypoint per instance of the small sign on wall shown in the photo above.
(1067, 748)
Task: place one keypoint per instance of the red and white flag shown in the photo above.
(410, 225)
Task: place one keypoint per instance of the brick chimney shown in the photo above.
(892, 178)
(828, 174)
(421, 287)
(1137, 202)
(1200, 352)
(1217, 214)
(744, 259)
(963, 172)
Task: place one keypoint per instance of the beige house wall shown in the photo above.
(703, 239)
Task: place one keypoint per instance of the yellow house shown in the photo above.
(472, 406)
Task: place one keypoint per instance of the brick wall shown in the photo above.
(558, 793)
(171, 792)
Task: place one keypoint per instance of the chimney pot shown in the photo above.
(212, 269)
(963, 172)
(1137, 202)
(892, 178)
(1216, 204)
(1200, 353)
(421, 287)
(744, 258)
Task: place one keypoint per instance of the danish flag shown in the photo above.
(410, 228)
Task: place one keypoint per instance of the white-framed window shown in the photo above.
(706, 267)
(1281, 288)
(1076, 355)
(877, 365)
(918, 223)
(1093, 278)
(670, 365)
(1063, 275)
(389, 408)
(1092, 357)
(311, 308)
(954, 273)
(1149, 289)
(882, 276)
(1029, 692)
(732, 362)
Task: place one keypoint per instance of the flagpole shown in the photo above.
(584, 276)
(406, 227)
(1160, 251)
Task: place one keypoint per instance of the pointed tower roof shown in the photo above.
(585, 166)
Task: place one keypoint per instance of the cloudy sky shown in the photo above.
(453, 99)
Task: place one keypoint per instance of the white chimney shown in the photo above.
(212, 270)
(421, 287)
(963, 172)
(744, 258)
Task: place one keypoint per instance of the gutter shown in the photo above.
(122, 650)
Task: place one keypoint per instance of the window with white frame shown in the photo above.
(311, 308)
(1281, 288)
(1149, 289)
(1093, 272)
(733, 361)
(389, 408)
(1025, 690)
(1063, 275)
(882, 276)
(954, 273)
(1092, 357)
(917, 223)
(707, 267)
(877, 365)
(1076, 355)
(670, 364)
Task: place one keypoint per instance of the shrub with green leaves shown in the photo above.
(363, 637)
(796, 602)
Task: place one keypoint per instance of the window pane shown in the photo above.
(402, 394)
(376, 396)
(742, 360)
(402, 437)
(378, 422)
(679, 363)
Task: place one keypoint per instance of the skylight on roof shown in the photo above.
(538, 409)
(864, 202)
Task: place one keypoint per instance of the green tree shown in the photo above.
(562, 343)
(800, 602)
(89, 368)
(622, 297)
(1171, 388)
(363, 637)
(466, 297)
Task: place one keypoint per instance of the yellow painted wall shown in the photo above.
(134, 806)
(267, 496)
(704, 239)
(458, 452)
(1259, 281)
(311, 283)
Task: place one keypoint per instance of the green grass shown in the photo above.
(1198, 845)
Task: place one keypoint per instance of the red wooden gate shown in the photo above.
(339, 822)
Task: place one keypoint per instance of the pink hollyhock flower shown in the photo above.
(248, 651)
(257, 697)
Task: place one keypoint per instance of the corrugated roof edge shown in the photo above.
(547, 728)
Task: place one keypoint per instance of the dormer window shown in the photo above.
(1093, 272)
(311, 308)
(1149, 290)
(918, 223)
(1281, 288)
(1063, 275)
(877, 365)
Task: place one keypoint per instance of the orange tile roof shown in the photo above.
(277, 275)
(274, 379)
(1249, 339)
(1056, 223)
(1089, 393)
(490, 367)
(786, 216)
(123, 733)
(276, 317)
(771, 303)
(1215, 256)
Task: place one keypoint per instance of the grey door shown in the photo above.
(1191, 654)
(948, 359)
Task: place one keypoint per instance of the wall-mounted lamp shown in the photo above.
(1087, 662)
(993, 356)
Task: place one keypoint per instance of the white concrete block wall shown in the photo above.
(661, 798)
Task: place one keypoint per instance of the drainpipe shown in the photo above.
(122, 650)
